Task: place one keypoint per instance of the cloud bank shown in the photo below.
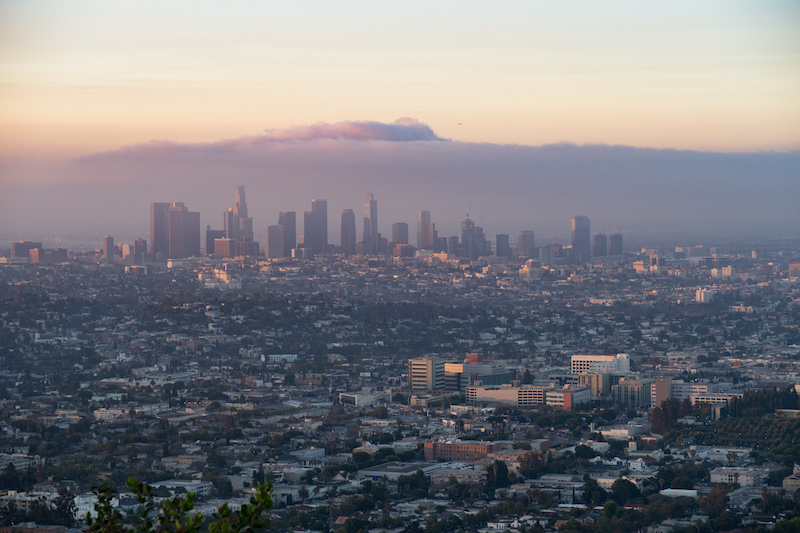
(504, 188)
(401, 130)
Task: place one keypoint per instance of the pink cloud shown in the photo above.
(401, 130)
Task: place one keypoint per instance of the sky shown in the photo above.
(82, 78)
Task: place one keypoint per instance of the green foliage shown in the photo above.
(665, 417)
(623, 490)
(758, 402)
(780, 437)
(176, 514)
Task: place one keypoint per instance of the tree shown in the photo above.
(530, 464)
(715, 502)
(593, 493)
(176, 514)
(497, 475)
(623, 490)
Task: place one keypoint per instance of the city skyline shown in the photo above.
(676, 118)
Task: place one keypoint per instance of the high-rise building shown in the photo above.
(581, 239)
(273, 242)
(503, 245)
(423, 220)
(599, 245)
(400, 233)
(288, 219)
(526, 244)
(548, 254)
(225, 248)
(632, 393)
(240, 207)
(139, 251)
(230, 224)
(348, 232)
(139, 246)
(174, 230)
(319, 208)
(453, 244)
(23, 249)
(370, 236)
(108, 249)
(176, 219)
(159, 228)
(191, 234)
(615, 244)
(238, 226)
(211, 236)
(315, 226)
(468, 239)
(426, 374)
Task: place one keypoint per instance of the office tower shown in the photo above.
(426, 374)
(348, 235)
(423, 219)
(139, 251)
(245, 223)
(225, 248)
(211, 236)
(159, 228)
(139, 247)
(526, 244)
(240, 207)
(400, 233)
(288, 219)
(615, 244)
(503, 245)
(452, 245)
(548, 254)
(176, 216)
(174, 230)
(238, 226)
(581, 239)
(600, 245)
(273, 242)
(370, 236)
(23, 249)
(191, 234)
(108, 249)
(315, 230)
(319, 208)
(632, 393)
(308, 239)
(48, 256)
(431, 236)
(469, 239)
(230, 224)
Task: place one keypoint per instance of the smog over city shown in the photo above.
(403, 267)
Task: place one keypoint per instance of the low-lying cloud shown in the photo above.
(504, 188)
(401, 130)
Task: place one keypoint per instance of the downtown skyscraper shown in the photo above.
(174, 231)
(581, 240)
(426, 232)
(348, 235)
(288, 221)
(238, 226)
(369, 240)
(315, 226)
